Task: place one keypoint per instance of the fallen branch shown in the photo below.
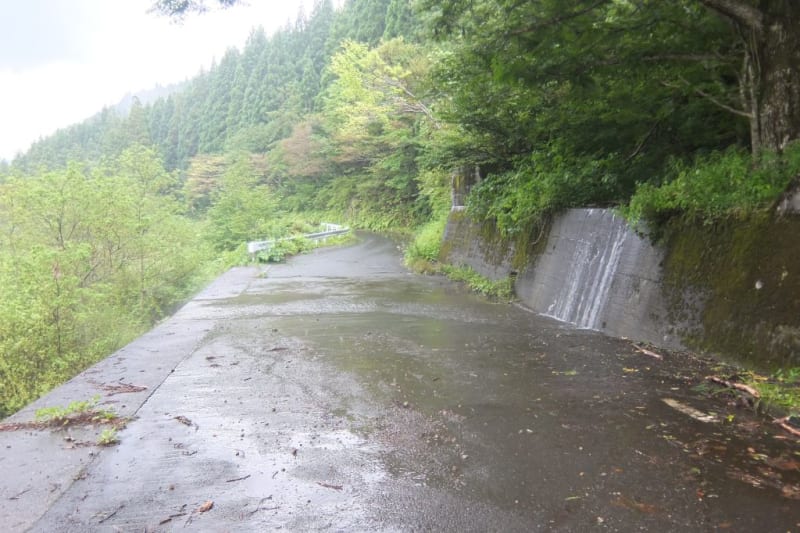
(784, 423)
(118, 509)
(329, 486)
(170, 517)
(237, 479)
(645, 351)
(259, 508)
(733, 385)
(17, 495)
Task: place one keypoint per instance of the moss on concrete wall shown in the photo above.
(481, 246)
(734, 287)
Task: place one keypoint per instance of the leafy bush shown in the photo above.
(549, 179)
(427, 241)
(284, 248)
(720, 184)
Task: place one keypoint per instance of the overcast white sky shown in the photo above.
(61, 61)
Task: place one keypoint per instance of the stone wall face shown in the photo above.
(732, 288)
(466, 243)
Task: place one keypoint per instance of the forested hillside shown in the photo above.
(362, 114)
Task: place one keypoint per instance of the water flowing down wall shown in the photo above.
(593, 257)
(593, 272)
(596, 273)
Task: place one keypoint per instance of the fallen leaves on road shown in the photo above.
(783, 463)
(183, 420)
(791, 492)
(750, 479)
(206, 507)
(629, 503)
(121, 388)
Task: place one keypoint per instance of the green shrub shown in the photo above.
(285, 248)
(721, 184)
(549, 179)
(427, 241)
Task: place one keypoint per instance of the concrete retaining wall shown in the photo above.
(593, 272)
(731, 288)
(468, 244)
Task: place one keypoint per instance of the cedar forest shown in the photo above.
(361, 114)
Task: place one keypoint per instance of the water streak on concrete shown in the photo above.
(592, 267)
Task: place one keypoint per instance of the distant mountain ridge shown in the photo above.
(146, 97)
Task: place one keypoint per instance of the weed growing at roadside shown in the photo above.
(502, 289)
(107, 437)
(781, 390)
(81, 412)
(427, 243)
(718, 185)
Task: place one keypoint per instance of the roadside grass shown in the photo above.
(422, 256)
(502, 289)
(77, 413)
(780, 390)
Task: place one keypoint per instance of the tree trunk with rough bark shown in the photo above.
(771, 71)
(776, 56)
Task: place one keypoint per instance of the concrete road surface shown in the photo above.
(338, 392)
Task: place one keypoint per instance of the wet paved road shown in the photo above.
(339, 392)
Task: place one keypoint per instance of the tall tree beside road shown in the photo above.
(770, 73)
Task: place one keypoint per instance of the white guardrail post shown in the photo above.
(330, 230)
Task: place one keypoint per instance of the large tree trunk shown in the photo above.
(771, 77)
(776, 56)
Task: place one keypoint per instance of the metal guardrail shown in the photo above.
(331, 230)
